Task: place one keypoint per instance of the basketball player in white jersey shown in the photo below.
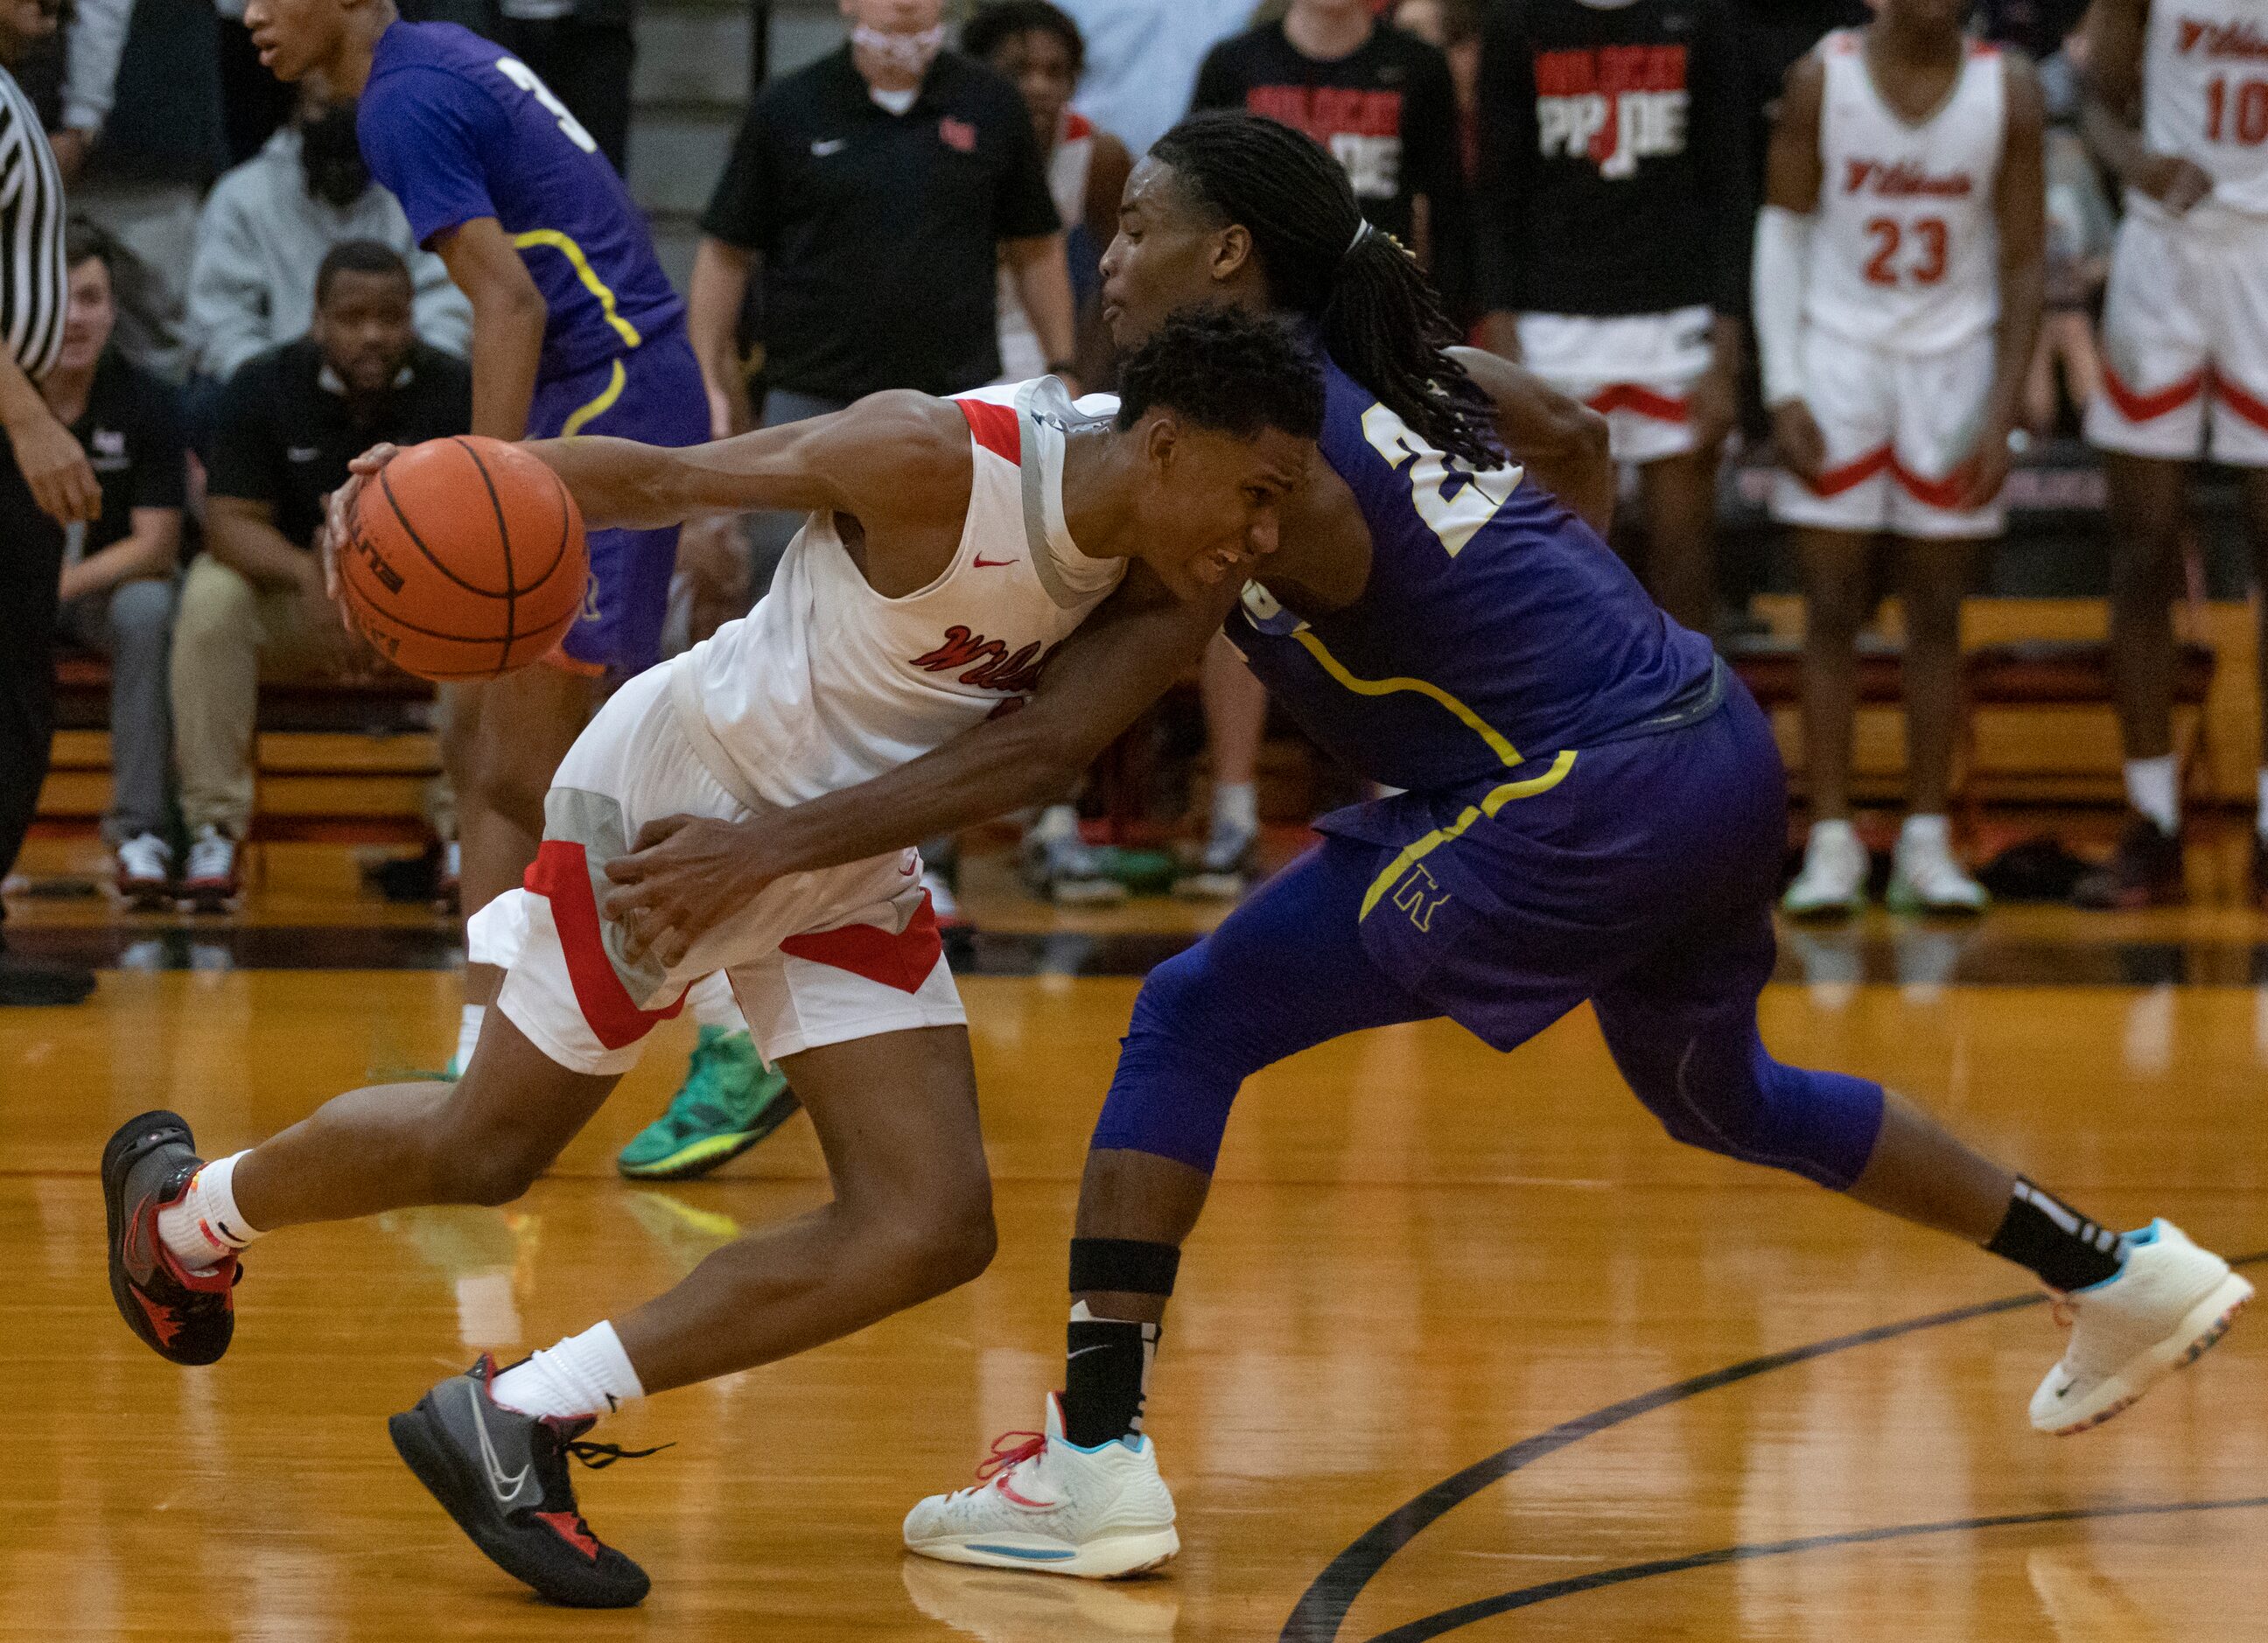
(950, 546)
(2185, 359)
(1899, 277)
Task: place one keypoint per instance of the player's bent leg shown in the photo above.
(1286, 970)
(1682, 1032)
(176, 1223)
(911, 1217)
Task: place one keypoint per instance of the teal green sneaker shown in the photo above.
(729, 1101)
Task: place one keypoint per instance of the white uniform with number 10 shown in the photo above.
(2185, 320)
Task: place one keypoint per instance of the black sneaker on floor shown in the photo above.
(2145, 871)
(27, 982)
(184, 1316)
(503, 1477)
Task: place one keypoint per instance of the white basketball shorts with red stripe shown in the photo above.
(1900, 430)
(1636, 369)
(2185, 339)
(814, 959)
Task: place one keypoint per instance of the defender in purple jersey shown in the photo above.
(1597, 812)
(575, 329)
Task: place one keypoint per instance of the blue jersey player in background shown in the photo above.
(1596, 812)
(575, 329)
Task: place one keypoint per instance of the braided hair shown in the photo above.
(1379, 319)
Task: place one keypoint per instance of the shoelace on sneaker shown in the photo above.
(599, 1456)
(1021, 1446)
(212, 858)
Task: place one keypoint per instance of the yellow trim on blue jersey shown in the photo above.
(1488, 806)
(585, 416)
(598, 288)
(1472, 721)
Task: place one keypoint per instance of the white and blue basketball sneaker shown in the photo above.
(1045, 1505)
(2162, 1310)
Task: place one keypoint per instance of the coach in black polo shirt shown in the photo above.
(288, 422)
(878, 189)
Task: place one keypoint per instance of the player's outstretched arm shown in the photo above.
(891, 458)
(688, 873)
(1561, 441)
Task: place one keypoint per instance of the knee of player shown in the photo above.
(946, 1240)
(488, 1168)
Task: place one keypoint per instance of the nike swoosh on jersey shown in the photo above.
(982, 564)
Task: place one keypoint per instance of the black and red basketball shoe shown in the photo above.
(184, 1316)
(503, 1476)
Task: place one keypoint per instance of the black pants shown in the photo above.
(587, 66)
(31, 561)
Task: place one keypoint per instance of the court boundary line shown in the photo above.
(1322, 1608)
(1486, 1608)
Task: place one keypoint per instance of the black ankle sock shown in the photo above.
(1105, 1373)
(1107, 1361)
(2044, 1233)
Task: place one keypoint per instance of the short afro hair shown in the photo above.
(1224, 368)
(358, 256)
(1005, 19)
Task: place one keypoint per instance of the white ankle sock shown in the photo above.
(206, 1227)
(2150, 789)
(711, 1004)
(585, 1374)
(1936, 830)
(1236, 804)
(469, 1033)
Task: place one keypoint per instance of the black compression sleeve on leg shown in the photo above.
(1123, 1266)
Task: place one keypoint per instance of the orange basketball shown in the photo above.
(467, 559)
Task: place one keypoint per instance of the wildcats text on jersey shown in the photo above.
(2219, 40)
(1617, 105)
(1899, 179)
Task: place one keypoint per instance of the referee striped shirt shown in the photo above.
(33, 290)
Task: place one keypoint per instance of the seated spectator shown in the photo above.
(117, 587)
(253, 604)
(269, 223)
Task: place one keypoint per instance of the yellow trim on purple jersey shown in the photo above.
(567, 247)
(1472, 721)
(583, 416)
(1496, 800)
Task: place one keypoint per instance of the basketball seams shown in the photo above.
(503, 540)
(418, 543)
(377, 591)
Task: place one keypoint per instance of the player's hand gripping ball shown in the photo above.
(463, 558)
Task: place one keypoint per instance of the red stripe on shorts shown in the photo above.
(2148, 407)
(994, 427)
(903, 959)
(2254, 411)
(1937, 493)
(1834, 481)
(1636, 397)
(561, 875)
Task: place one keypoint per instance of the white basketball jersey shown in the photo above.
(1020, 353)
(1904, 250)
(2204, 97)
(827, 683)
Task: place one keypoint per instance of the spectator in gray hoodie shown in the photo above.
(268, 227)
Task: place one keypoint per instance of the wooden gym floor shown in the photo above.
(1464, 1347)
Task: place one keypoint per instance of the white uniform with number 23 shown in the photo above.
(1901, 300)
